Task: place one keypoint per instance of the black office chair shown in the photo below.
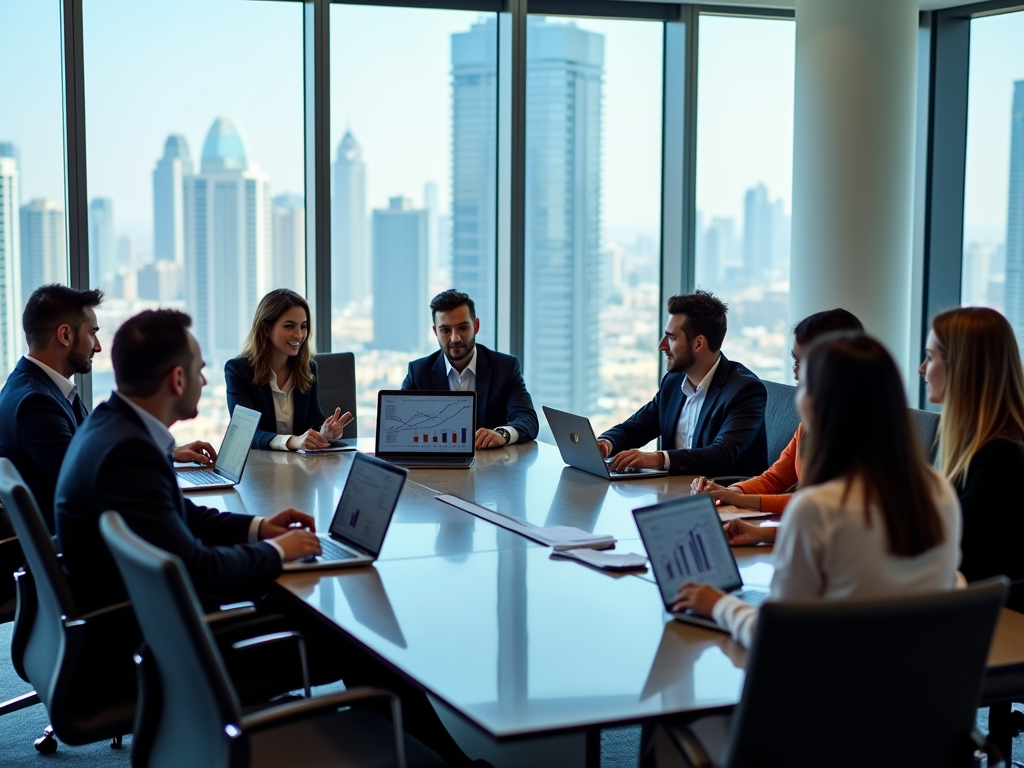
(189, 712)
(879, 683)
(780, 422)
(336, 380)
(927, 423)
(86, 701)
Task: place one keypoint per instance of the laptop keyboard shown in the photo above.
(442, 460)
(204, 477)
(751, 596)
(331, 551)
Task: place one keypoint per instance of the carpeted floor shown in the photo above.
(620, 747)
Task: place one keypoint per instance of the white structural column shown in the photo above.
(853, 160)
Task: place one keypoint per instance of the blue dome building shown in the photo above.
(224, 149)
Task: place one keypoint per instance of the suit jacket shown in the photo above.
(501, 396)
(36, 426)
(112, 463)
(306, 412)
(731, 437)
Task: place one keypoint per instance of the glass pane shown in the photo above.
(33, 238)
(593, 211)
(413, 204)
(195, 169)
(993, 267)
(744, 183)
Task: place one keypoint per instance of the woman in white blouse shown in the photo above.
(276, 375)
(873, 519)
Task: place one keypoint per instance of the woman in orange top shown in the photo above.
(770, 492)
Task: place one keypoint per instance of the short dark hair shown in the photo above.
(51, 306)
(451, 299)
(705, 316)
(149, 346)
(829, 321)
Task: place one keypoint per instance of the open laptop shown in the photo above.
(685, 542)
(231, 458)
(361, 518)
(422, 429)
(578, 446)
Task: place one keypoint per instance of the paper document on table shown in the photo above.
(727, 512)
(606, 561)
(557, 536)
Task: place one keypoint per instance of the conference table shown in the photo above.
(527, 656)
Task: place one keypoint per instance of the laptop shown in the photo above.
(231, 458)
(578, 446)
(423, 429)
(685, 541)
(361, 518)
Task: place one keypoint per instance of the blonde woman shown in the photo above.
(276, 375)
(972, 367)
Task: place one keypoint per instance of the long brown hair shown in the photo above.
(984, 395)
(860, 428)
(257, 343)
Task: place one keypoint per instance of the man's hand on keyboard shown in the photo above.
(297, 544)
(198, 451)
(699, 598)
(284, 521)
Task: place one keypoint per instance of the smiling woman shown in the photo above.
(276, 375)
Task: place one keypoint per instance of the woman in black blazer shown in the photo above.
(276, 375)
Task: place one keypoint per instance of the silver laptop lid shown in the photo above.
(576, 441)
(425, 424)
(367, 503)
(685, 542)
(234, 449)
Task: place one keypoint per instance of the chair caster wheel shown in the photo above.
(115, 743)
(47, 743)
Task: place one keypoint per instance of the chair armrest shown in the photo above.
(289, 712)
(230, 613)
(101, 613)
(281, 637)
(727, 480)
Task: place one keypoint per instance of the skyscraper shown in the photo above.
(288, 228)
(757, 232)
(10, 261)
(1015, 218)
(102, 242)
(43, 245)
(168, 200)
(474, 153)
(400, 309)
(350, 269)
(227, 241)
(564, 71)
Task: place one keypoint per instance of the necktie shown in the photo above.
(77, 406)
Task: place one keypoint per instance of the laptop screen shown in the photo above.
(685, 542)
(426, 423)
(367, 502)
(235, 448)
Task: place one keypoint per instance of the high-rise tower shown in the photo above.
(564, 71)
(102, 242)
(227, 241)
(400, 298)
(288, 227)
(474, 152)
(43, 245)
(10, 261)
(350, 268)
(168, 201)
(1015, 219)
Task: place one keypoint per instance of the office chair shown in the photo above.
(892, 682)
(336, 380)
(780, 421)
(55, 647)
(927, 423)
(189, 712)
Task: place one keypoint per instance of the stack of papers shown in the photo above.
(561, 537)
(606, 561)
(727, 512)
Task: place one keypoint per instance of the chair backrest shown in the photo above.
(881, 682)
(336, 380)
(45, 645)
(927, 423)
(780, 418)
(183, 716)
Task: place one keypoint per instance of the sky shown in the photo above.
(997, 60)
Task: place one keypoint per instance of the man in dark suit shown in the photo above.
(40, 409)
(505, 413)
(120, 459)
(709, 411)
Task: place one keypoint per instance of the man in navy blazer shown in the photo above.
(120, 459)
(505, 413)
(709, 411)
(40, 409)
